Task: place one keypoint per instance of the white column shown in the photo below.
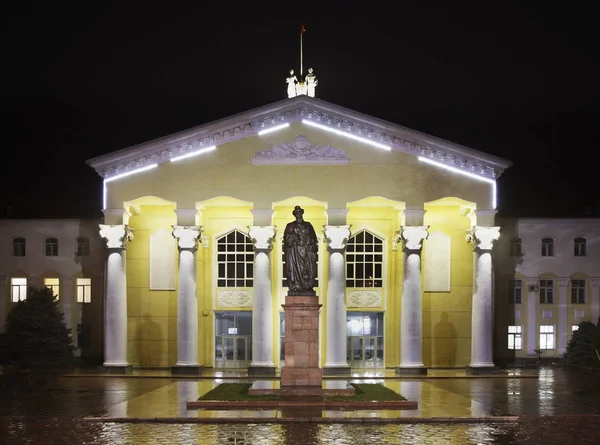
(532, 284)
(482, 316)
(411, 336)
(562, 328)
(595, 301)
(335, 319)
(66, 297)
(4, 296)
(262, 310)
(187, 300)
(115, 319)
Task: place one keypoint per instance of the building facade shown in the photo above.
(66, 255)
(193, 226)
(547, 282)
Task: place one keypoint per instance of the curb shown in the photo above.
(343, 420)
(253, 378)
(324, 405)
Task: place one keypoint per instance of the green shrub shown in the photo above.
(35, 332)
(580, 350)
(597, 345)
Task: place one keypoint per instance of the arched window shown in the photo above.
(364, 260)
(19, 246)
(51, 247)
(580, 246)
(547, 247)
(516, 246)
(235, 260)
(83, 246)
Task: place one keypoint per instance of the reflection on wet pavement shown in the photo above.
(568, 399)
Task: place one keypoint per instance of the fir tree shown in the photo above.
(597, 345)
(580, 350)
(35, 332)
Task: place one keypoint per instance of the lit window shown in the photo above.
(547, 337)
(547, 247)
(19, 245)
(53, 284)
(546, 291)
(18, 289)
(515, 338)
(51, 247)
(574, 327)
(516, 247)
(515, 292)
(364, 260)
(83, 246)
(84, 290)
(577, 291)
(235, 260)
(580, 247)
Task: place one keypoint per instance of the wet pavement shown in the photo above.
(562, 405)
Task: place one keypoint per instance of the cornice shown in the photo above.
(294, 110)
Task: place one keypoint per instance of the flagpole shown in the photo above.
(301, 32)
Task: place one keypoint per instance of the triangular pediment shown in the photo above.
(307, 110)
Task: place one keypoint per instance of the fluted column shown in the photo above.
(482, 316)
(563, 316)
(411, 336)
(115, 318)
(187, 300)
(262, 311)
(335, 320)
(595, 300)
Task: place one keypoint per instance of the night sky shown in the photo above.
(522, 84)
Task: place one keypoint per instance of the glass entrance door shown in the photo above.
(234, 351)
(365, 352)
(365, 339)
(233, 339)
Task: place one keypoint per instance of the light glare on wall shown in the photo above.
(122, 175)
(464, 173)
(273, 129)
(348, 135)
(194, 153)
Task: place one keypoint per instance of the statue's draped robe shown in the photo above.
(300, 246)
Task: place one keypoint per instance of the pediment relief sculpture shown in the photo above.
(301, 151)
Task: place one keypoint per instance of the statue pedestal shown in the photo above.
(301, 377)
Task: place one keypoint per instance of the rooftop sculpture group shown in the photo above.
(306, 87)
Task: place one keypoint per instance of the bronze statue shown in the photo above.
(300, 247)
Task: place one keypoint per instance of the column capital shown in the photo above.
(413, 236)
(116, 236)
(483, 238)
(262, 236)
(413, 217)
(564, 282)
(187, 236)
(595, 282)
(336, 236)
(66, 281)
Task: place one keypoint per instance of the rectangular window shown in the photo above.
(83, 246)
(580, 247)
(577, 291)
(547, 337)
(515, 292)
(515, 337)
(547, 247)
(547, 291)
(84, 290)
(18, 289)
(53, 284)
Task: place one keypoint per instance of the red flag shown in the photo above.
(302, 30)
